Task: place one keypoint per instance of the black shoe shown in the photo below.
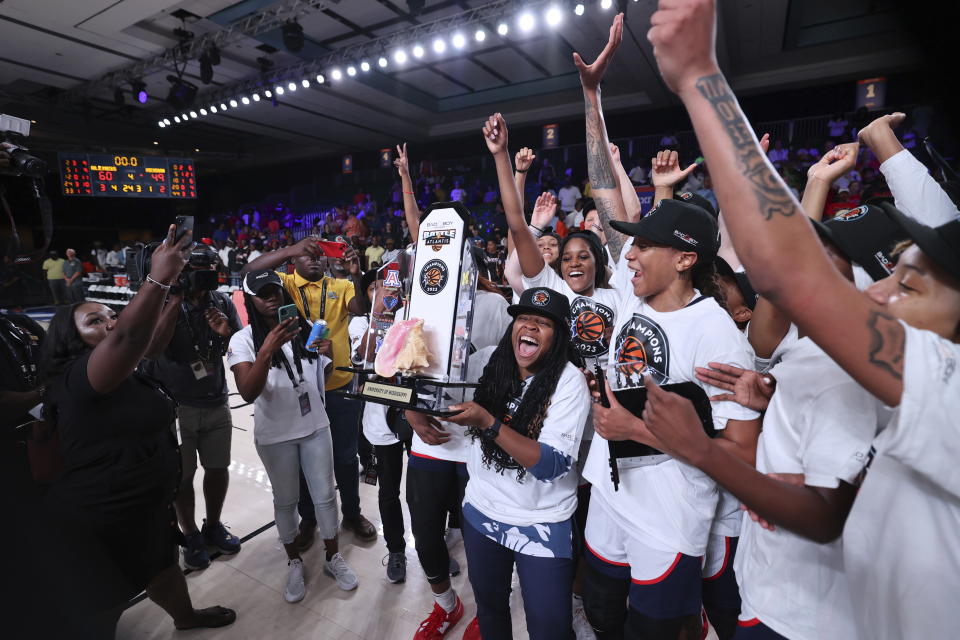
(361, 527)
(308, 533)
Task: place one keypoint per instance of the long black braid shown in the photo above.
(260, 330)
(501, 383)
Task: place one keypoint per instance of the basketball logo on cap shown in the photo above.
(540, 298)
(851, 214)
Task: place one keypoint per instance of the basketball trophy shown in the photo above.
(641, 349)
(421, 353)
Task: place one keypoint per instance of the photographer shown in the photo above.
(318, 296)
(190, 344)
(121, 464)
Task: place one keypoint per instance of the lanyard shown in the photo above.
(286, 366)
(193, 338)
(323, 300)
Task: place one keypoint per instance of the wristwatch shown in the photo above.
(491, 432)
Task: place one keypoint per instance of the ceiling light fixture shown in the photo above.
(526, 22)
(203, 112)
(351, 71)
(382, 62)
(233, 103)
(480, 35)
(553, 16)
(278, 90)
(245, 100)
(256, 97)
(292, 86)
(400, 56)
(213, 109)
(503, 29)
(579, 9)
(439, 46)
(305, 83)
(364, 66)
(458, 40)
(336, 74)
(320, 78)
(417, 51)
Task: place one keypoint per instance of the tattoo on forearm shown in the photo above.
(887, 342)
(614, 238)
(772, 195)
(598, 153)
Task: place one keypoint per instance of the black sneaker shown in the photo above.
(216, 535)
(396, 567)
(195, 554)
(306, 535)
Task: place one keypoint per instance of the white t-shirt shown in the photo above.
(900, 543)
(915, 192)
(374, 420)
(490, 319)
(592, 315)
(573, 220)
(276, 411)
(820, 423)
(671, 505)
(457, 448)
(568, 197)
(530, 501)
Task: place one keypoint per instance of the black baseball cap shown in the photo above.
(941, 244)
(866, 235)
(743, 282)
(544, 302)
(255, 281)
(677, 224)
(700, 201)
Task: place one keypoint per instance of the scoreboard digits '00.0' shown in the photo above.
(83, 174)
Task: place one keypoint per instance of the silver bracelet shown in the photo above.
(165, 287)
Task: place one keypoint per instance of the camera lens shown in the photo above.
(26, 164)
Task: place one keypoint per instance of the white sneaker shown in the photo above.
(452, 537)
(295, 589)
(581, 626)
(337, 568)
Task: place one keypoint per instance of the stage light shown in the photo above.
(223, 106)
(166, 121)
(233, 104)
(213, 109)
(417, 51)
(203, 112)
(305, 83)
(182, 93)
(278, 90)
(400, 56)
(553, 16)
(606, 4)
(292, 86)
(382, 62)
(579, 9)
(480, 35)
(351, 71)
(503, 29)
(439, 46)
(184, 117)
(320, 78)
(140, 91)
(526, 21)
(364, 66)
(176, 119)
(156, 142)
(161, 125)
(292, 36)
(245, 100)
(256, 97)
(206, 68)
(336, 74)
(193, 114)
(459, 42)
(267, 94)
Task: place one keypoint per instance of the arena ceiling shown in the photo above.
(61, 64)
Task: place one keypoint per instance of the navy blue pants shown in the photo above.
(755, 630)
(546, 585)
(344, 415)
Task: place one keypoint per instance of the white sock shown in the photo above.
(447, 600)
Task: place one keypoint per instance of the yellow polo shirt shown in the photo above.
(339, 294)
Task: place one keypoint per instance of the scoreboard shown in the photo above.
(126, 176)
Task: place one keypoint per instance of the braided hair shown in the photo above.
(259, 330)
(501, 383)
(705, 278)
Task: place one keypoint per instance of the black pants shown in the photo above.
(433, 488)
(389, 475)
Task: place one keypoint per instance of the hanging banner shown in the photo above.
(551, 136)
(386, 158)
(872, 93)
(347, 164)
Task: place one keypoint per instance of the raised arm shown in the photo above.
(411, 212)
(116, 357)
(496, 136)
(822, 174)
(665, 174)
(522, 163)
(631, 201)
(768, 227)
(273, 259)
(603, 179)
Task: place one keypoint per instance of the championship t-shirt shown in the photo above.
(819, 423)
(900, 540)
(670, 505)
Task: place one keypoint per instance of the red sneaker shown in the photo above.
(472, 631)
(439, 622)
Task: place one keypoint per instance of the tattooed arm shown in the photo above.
(786, 262)
(604, 185)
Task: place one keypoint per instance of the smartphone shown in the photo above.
(332, 249)
(184, 224)
(287, 311)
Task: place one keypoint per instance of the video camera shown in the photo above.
(14, 132)
(198, 275)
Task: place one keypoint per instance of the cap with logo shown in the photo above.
(940, 244)
(740, 278)
(257, 280)
(700, 201)
(544, 302)
(677, 224)
(866, 235)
